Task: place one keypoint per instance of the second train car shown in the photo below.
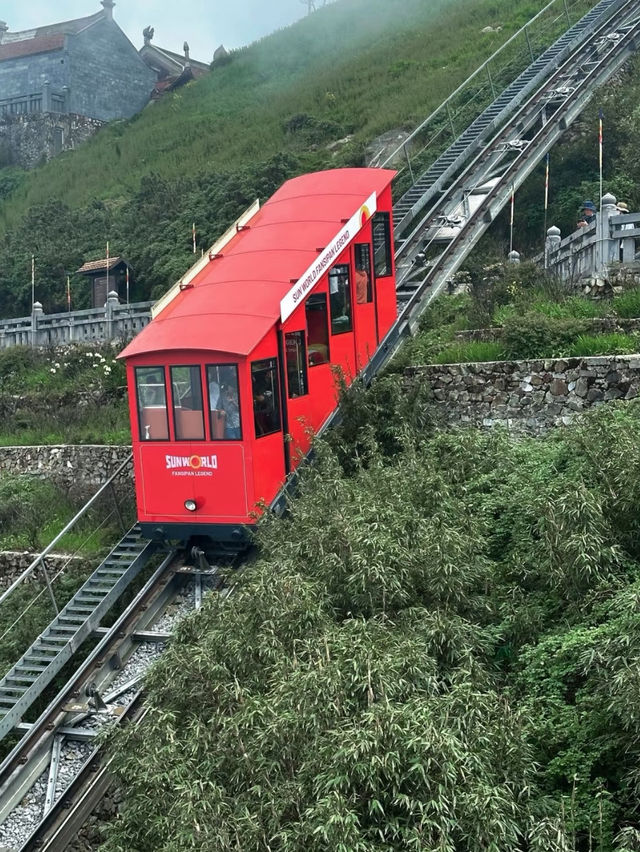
(236, 369)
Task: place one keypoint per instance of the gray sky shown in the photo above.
(203, 23)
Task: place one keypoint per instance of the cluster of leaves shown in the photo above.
(70, 394)
(529, 314)
(418, 659)
(204, 153)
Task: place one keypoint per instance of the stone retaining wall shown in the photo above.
(528, 395)
(14, 562)
(83, 464)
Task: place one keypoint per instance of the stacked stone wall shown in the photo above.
(27, 140)
(528, 395)
(14, 562)
(86, 465)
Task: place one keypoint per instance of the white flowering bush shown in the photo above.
(68, 368)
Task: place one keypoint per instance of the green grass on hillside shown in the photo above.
(352, 70)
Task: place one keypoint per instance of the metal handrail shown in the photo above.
(471, 77)
(37, 561)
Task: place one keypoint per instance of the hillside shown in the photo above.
(354, 69)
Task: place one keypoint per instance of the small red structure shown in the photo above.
(237, 365)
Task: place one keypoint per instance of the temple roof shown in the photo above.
(101, 265)
(171, 64)
(44, 39)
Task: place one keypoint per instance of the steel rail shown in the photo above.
(479, 70)
(15, 771)
(610, 61)
(61, 824)
(558, 120)
(463, 179)
(32, 567)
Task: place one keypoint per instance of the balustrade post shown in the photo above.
(36, 313)
(112, 302)
(604, 244)
(551, 244)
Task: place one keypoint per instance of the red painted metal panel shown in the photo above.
(231, 316)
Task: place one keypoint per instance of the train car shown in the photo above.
(236, 369)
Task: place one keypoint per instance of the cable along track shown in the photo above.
(58, 773)
(590, 53)
(499, 169)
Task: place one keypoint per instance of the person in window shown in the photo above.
(336, 297)
(362, 285)
(214, 395)
(232, 410)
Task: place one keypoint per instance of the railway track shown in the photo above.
(506, 160)
(57, 773)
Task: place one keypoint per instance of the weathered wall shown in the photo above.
(14, 562)
(34, 137)
(528, 395)
(108, 77)
(80, 464)
(26, 74)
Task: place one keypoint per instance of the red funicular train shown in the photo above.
(235, 368)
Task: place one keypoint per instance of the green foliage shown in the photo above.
(72, 394)
(207, 151)
(534, 335)
(627, 304)
(472, 351)
(25, 507)
(436, 649)
(603, 344)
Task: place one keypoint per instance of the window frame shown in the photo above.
(301, 336)
(142, 438)
(348, 299)
(384, 217)
(357, 250)
(276, 384)
(309, 300)
(197, 367)
(234, 366)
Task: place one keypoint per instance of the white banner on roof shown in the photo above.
(314, 273)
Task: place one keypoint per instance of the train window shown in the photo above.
(364, 290)
(151, 393)
(381, 232)
(317, 329)
(266, 396)
(224, 402)
(296, 364)
(340, 299)
(188, 414)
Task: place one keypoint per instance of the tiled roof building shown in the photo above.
(86, 67)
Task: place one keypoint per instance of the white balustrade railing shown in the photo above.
(113, 322)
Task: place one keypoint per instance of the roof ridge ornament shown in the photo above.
(108, 5)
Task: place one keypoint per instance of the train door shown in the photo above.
(343, 353)
(322, 394)
(268, 447)
(297, 394)
(365, 305)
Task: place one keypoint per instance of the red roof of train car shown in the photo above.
(235, 300)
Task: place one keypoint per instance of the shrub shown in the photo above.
(627, 304)
(472, 351)
(603, 344)
(534, 335)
